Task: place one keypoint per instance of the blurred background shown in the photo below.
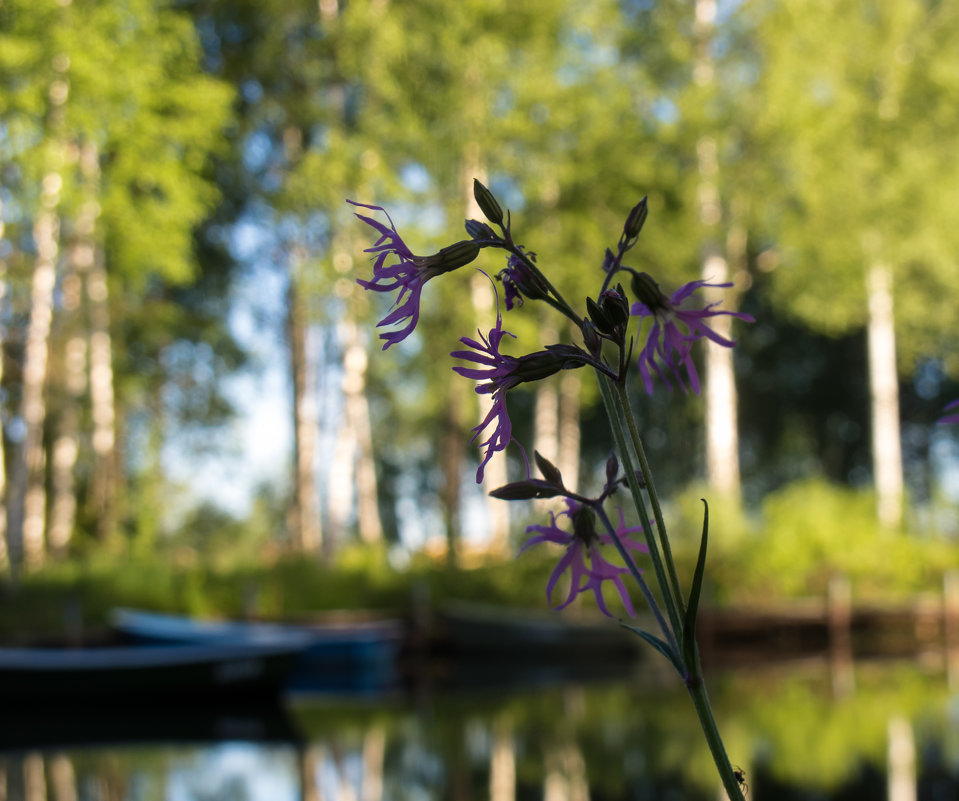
(196, 413)
(192, 377)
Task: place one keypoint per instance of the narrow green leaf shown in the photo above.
(692, 607)
(660, 645)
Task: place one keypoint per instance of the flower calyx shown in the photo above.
(648, 293)
(610, 315)
(634, 224)
(549, 486)
(450, 258)
(480, 231)
(487, 203)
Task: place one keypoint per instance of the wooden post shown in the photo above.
(839, 622)
(950, 625)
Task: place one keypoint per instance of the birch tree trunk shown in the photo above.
(884, 394)
(354, 465)
(307, 533)
(4, 553)
(26, 512)
(570, 384)
(63, 501)
(546, 418)
(722, 439)
(102, 391)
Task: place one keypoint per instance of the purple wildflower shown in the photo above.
(520, 282)
(950, 418)
(675, 330)
(499, 373)
(408, 273)
(582, 543)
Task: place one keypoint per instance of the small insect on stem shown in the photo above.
(740, 775)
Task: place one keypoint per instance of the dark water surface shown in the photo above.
(803, 730)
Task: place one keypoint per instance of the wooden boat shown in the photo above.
(529, 635)
(347, 642)
(32, 675)
(339, 657)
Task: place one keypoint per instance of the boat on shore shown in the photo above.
(119, 673)
(340, 656)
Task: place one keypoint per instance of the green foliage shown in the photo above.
(804, 534)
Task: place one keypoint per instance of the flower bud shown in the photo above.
(614, 305)
(487, 203)
(647, 292)
(635, 220)
(592, 340)
(456, 255)
(599, 317)
(479, 230)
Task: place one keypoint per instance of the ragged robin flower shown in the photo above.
(950, 418)
(588, 568)
(407, 272)
(498, 373)
(675, 330)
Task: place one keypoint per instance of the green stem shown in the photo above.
(638, 577)
(614, 413)
(697, 691)
(651, 493)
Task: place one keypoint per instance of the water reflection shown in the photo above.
(892, 732)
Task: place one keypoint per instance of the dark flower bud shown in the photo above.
(487, 203)
(548, 469)
(647, 292)
(526, 490)
(584, 525)
(612, 469)
(479, 230)
(614, 305)
(592, 340)
(455, 256)
(599, 317)
(634, 223)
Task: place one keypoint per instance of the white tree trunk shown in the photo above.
(722, 439)
(353, 458)
(26, 512)
(63, 501)
(722, 436)
(570, 383)
(884, 393)
(307, 532)
(4, 554)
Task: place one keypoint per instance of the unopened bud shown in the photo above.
(487, 203)
(479, 230)
(613, 303)
(647, 291)
(456, 255)
(635, 220)
(592, 340)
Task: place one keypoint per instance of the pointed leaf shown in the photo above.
(548, 469)
(659, 645)
(692, 607)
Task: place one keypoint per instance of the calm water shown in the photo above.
(799, 731)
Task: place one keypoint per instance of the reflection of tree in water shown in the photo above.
(229, 788)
